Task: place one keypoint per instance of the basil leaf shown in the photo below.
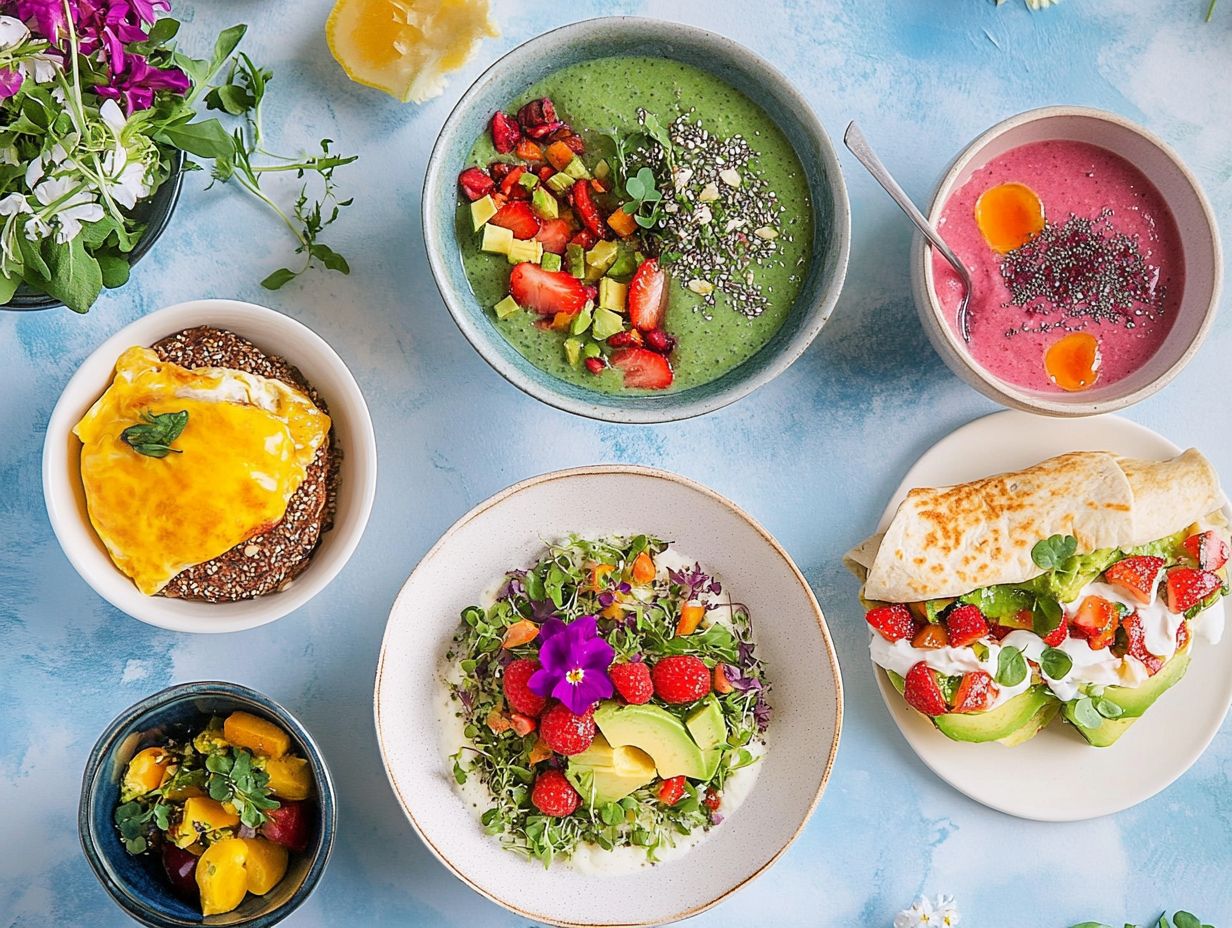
(1011, 667)
(1185, 920)
(1050, 553)
(153, 438)
(1045, 616)
(1086, 715)
(1055, 663)
(205, 139)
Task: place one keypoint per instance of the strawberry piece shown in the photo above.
(1135, 643)
(1188, 586)
(510, 187)
(570, 138)
(1000, 631)
(554, 795)
(545, 172)
(629, 338)
(1096, 620)
(518, 218)
(643, 369)
(287, 825)
(546, 292)
(595, 365)
(965, 624)
(475, 184)
(566, 733)
(588, 213)
(538, 113)
(1137, 576)
(975, 692)
(554, 233)
(1056, 637)
(506, 133)
(648, 296)
(680, 679)
(522, 724)
(930, 637)
(893, 622)
(1208, 549)
(632, 682)
(500, 170)
(1182, 635)
(713, 799)
(921, 691)
(671, 790)
(585, 238)
(660, 341)
(517, 689)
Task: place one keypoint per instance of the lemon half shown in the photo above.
(406, 47)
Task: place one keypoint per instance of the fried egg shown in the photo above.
(243, 452)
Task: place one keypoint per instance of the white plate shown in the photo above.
(1057, 776)
(508, 531)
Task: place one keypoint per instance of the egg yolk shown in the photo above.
(1073, 361)
(1009, 216)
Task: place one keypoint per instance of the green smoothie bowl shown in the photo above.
(636, 221)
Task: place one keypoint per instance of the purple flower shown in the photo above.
(762, 712)
(48, 17)
(573, 664)
(10, 82)
(108, 26)
(135, 88)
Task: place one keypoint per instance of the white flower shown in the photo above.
(36, 229)
(12, 32)
(925, 913)
(72, 206)
(41, 68)
(13, 204)
(125, 180)
(946, 911)
(113, 116)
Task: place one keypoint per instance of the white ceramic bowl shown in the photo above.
(1199, 239)
(277, 334)
(509, 530)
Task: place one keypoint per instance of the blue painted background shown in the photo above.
(813, 456)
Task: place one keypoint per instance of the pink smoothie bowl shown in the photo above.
(1201, 255)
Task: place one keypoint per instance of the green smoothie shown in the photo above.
(715, 329)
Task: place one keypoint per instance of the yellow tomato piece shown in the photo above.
(289, 777)
(266, 864)
(259, 736)
(222, 877)
(144, 772)
(202, 815)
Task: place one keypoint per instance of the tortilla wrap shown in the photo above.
(950, 541)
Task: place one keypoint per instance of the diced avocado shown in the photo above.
(573, 351)
(1133, 700)
(577, 170)
(612, 294)
(602, 256)
(575, 260)
(1066, 581)
(605, 324)
(525, 250)
(506, 308)
(549, 261)
(592, 350)
(1002, 603)
(544, 204)
(623, 266)
(560, 183)
(602, 169)
(706, 725)
(482, 210)
(581, 322)
(496, 239)
(1015, 721)
(655, 731)
(603, 774)
(529, 180)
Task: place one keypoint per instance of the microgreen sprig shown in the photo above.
(234, 778)
(1179, 919)
(1051, 552)
(646, 202)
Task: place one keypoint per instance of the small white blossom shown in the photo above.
(12, 32)
(36, 229)
(41, 68)
(72, 206)
(125, 180)
(113, 116)
(13, 204)
(925, 913)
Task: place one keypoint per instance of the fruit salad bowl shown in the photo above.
(419, 729)
(796, 171)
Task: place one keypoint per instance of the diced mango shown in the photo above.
(622, 223)
(266, 864)
(289, 777)
(691, 615)
(222, 877)
(256, 734)
(202, 814)
(519, 633)
(643, 568)
(144, 772)
(559, 155)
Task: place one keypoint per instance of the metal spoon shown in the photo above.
(854, 139)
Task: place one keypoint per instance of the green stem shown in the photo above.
(255, 190)
(1210, 11)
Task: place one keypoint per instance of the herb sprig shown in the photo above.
(1179, 920)
(154, 436)
(235, 779)
(1052, 552)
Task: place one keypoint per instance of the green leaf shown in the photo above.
(231, 99)
(32, 259)
(153, 438)
(279, 278)
(115, 270)
(1055, 663)
(1090, 925)
(8, 286)
(635, 188)
(1086, 714)
(1186, 920)
(75, 279)
(1109, 710)
(1011, 667)
(1050, 553)
(1045, 616)
(205, 139)
(330, 258)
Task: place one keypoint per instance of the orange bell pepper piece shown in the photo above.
(521, 632)
(643, 570)
(691, 615)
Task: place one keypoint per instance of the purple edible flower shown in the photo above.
(716, 818)
(108, 26)
(573, 664)
(48, 17)
(135, 88)
(513, 585)
(10, 82)
(762, 712)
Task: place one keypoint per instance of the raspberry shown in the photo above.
(632, 681)
(965, 625)
(681, 678)
(566, 733)
(921, 691)
(517, 693)
(553, 795)
(893, 622)
(671, 790)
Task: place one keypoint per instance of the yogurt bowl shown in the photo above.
(1128, 206)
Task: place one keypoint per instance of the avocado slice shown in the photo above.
(1011, 723)
(706, 725)
(1133, 700)
(657, 732)
(604, 774)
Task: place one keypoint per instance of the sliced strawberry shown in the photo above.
(922, 692)
(1135, 643)
(546, 292)
(1096, 620)
(975, 692)
(510, 187)
(1208, 549)
(1056, 637)
(475, 183)
(554, 233)
(930, 637)
(1137, 576)
(588, 213)
(1182, 635)
(506, 133)
(595, 365)
(518, 218)
(585, 238)
(643, 369)
(1188, 586)
(648, 296)
(893, 622)
(545, 172)
(1000, 631)
(965, 624)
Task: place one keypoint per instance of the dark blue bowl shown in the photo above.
(137, 884)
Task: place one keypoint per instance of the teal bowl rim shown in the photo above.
(243, 695)
(831, 232)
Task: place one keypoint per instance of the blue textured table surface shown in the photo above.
(814, 456)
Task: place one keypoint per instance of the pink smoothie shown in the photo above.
(1131, 231)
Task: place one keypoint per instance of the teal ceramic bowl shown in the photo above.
(738, 67)
(137, 884)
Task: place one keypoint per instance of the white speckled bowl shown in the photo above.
(1199, 239)
(509, 531)
(276, 334)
